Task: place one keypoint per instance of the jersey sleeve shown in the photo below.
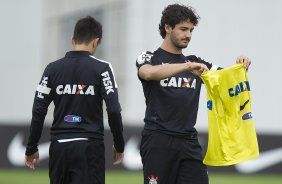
(109, 90)
(41, 102)
(144, 58)
(109, 93)
(210, 66)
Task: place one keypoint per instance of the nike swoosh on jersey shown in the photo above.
(16, 150)
(266, 159)
(132, 159)
(244, 105)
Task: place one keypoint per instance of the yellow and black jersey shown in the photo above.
(231, 131)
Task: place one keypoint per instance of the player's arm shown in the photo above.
(148, 71)
(41, 102)
(159, 72)
(110, 95)
(240, 60)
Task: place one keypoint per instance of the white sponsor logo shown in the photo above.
(78, 89)
(107, 82)
(42, 88)
(132, 158)
(265, 160)
(16, 150)
(179, 82)
(144, 57)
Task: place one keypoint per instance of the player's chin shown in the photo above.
(183, 45)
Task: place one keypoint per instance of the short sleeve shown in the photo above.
(144, 58)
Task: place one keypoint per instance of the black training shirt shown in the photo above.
(172, 103)
(77, 84)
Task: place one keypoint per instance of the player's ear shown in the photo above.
(168, 28)
(96, 42)
(72, 41)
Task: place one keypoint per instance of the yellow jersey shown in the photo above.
(231, 131)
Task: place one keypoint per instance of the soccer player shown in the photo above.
(77, 84)
(170, 151)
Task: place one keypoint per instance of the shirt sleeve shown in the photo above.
(144, 58)
(210, 66)
(109, 93)
(41, 102)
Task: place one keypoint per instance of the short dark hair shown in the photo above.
(87, 29)
(175, 14)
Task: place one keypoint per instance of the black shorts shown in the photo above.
(170, 159)
(77, 162)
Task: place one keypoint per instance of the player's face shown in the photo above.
(181, 35)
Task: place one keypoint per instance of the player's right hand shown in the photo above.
(117, 156)
(32, 161)
(197, 68)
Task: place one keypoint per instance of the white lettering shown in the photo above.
(42, 88)
(59, 89)
(90, 90)
(172, 82)
(39, 95)
(180, 82)
(67, 89)
(164, 82)
(193, 85)
(107, 82)
(44, 81)
(80, 89)
(75, 89)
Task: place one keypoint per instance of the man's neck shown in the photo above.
(167, 46)
(82, 47)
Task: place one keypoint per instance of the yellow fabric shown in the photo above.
(231, 132)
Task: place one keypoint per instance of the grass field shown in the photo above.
(122, 177)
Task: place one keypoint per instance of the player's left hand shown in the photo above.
(32, 160)
(117, 156)
(244, 60)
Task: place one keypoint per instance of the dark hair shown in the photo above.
(87, 29)
(175, 14)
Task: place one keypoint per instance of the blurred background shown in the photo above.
(37, 32)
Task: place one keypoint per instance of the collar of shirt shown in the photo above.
(78, 54)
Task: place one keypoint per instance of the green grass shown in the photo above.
(25, 176)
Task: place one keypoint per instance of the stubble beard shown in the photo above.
(177, 43)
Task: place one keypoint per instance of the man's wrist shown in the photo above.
(30, 150)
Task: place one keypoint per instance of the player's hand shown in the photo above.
(197, 68)
(117, 156)
(244, 60)
(32, 161)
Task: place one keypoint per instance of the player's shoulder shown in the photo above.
(53, 64)
(194, 58)
(145, 56)
(99, 61)
(101, 65)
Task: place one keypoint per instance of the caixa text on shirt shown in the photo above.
(239, 88)
(75, 89)
(179, 82)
